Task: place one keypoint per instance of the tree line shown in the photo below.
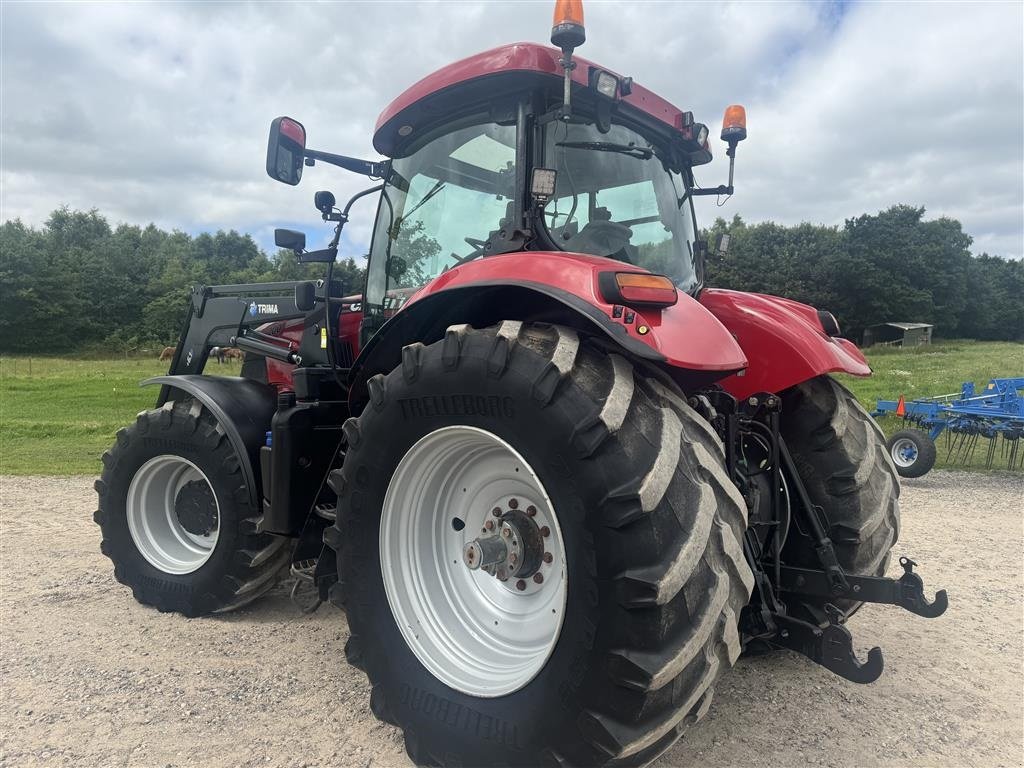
(77, 283)
(889, 267)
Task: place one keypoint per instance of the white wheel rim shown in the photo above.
(153, 521)
(476, 634)
(904, 452)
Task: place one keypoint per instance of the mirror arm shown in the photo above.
(362, 167)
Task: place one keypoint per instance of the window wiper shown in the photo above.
(641, 153)
(402, 219)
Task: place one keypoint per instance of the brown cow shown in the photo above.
(167, 354)
(233, 353)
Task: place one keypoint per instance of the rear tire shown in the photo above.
(193, 555)
(650, 527)
(842, 459)
(912, 452)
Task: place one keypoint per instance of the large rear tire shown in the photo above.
(647, 573)
(176, 517)
(842, 459)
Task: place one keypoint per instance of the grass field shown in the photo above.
(58, 415)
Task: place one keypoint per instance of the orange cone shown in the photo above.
(901, 407)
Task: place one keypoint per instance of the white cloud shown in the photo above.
(159, 112)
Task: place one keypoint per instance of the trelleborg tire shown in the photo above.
(176, 517)
(842, 459)
(645, 540)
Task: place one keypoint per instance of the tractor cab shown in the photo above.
(486, 162)
(525, 148)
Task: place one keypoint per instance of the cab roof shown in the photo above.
(415, 106)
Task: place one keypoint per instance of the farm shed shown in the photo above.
(898, 334)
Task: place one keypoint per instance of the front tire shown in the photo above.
(842, 459)
(645, 536)
(176, 517)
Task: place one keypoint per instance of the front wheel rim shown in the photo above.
(475, 633)
(153, 520)
(904, 452)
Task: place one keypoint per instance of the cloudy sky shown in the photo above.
(159, 112)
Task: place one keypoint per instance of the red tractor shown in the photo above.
(557, 484)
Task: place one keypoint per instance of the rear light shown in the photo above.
(637, 288)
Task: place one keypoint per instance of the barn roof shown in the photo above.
(904, 326)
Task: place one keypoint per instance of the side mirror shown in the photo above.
(285, 150)
(723, 244)
(290, 239)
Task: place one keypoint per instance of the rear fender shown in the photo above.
(483, 304)
(784, 341)
(243, 408)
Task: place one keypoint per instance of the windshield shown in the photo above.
(439, 207)
(615, 197)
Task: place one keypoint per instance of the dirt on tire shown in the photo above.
(89, 677)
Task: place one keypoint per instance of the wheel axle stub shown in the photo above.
(517, 547)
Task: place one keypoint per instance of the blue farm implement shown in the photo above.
(995, 414)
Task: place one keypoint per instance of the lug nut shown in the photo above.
(545, 531)
(513, 503)
(520, 585)
(505, 533)
(502, 574)
(496, 511)
(489, 525)
(548, 557)
(538, 578)
(531, 510)
(513, 558)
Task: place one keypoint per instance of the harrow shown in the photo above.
(994, 415)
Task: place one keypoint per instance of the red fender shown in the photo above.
(784, 342)
(685, 335)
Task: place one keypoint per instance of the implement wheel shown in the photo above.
(539, 552)
(841, 456)
(912, 452)
(176, 517)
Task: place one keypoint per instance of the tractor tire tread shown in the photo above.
(679, 595)
(259, 560)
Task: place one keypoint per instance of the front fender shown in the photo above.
(242, 407)
(784, 341)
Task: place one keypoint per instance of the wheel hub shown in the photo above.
(513, 549)
(196, 508)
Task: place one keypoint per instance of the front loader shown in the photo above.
(558, 485)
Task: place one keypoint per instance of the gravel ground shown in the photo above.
(89, 677)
